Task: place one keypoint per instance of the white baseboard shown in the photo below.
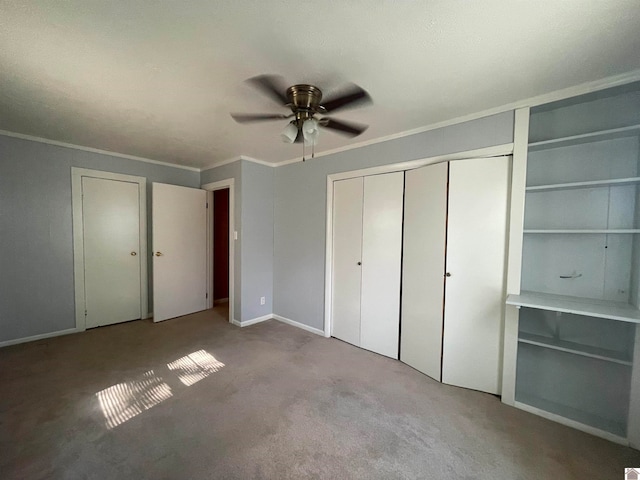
(40, 337)
(288, 321)
(252, 321)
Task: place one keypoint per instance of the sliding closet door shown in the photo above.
(347, 254)
(381, 263)
(474, 300)
(425, 223)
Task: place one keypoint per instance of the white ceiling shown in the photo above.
(157, 79)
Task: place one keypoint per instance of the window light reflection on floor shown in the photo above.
(194, 367)
(123, 401)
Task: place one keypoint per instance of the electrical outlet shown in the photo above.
(263, 300)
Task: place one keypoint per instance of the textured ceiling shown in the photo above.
(157, 79)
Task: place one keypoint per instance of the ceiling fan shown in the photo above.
(305, 102)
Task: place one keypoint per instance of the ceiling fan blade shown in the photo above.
(258, 117)
(273, 86)
(351, 97)
(345, 128)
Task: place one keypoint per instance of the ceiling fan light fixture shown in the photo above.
(310, 131)
(289, 134)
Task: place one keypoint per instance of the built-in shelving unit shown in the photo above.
(579, 301)
(614, 182)
(604, 230)
(590, 137)
(580, 306)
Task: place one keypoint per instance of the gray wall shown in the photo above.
(253, 254)
(36, 246)
(300, 206)
(257, 233)
(232, 170)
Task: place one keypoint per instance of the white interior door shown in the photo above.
(347, 257)
(381, 263)
(423, 260)
(474, 299)
(111, 238)
(179, 251)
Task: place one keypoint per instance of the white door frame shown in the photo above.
(211, 187)
(78, 238)
(498, 150)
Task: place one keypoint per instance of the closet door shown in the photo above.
(474, 299)
(347, 255)
(425, 223)
(381, 263)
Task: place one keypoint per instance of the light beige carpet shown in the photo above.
(198, 398)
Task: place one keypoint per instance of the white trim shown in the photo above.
(210, 259)
(252, 321)
(581, 89)
(514, 252)
(72, 146)
(221, 163)
(230, 184)
(42, 336)
(237, 159)
(499, 150)
(78, 238)
(288, 321)
(572, 423)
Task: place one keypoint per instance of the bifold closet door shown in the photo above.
(425, 224)
(474, 298)
(381, 263)
(347, 255)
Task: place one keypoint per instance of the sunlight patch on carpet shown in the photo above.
(194, 367)
(123, 401)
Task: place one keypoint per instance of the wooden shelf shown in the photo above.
(616, 182)
(579, 306)
(597, 136)
(606, 231)
(622, 358)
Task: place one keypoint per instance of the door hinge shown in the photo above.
(85, 313)
(207, 204)
(206, 295)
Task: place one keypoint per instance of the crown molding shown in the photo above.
(581, 89)
(72, 146)
(235, 159)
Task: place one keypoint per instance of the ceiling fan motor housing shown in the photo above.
(304, 101)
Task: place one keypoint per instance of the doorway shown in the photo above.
(220, 245)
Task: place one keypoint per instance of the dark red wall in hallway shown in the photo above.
(221, 244)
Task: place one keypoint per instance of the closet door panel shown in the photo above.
(425, 222)
(381, 263)
(347, 252)
(474, 298)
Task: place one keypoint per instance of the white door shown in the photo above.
(179, 251)
(381, 263)
(347, 256)
(475, 289)
(423, 259)
(111, 238)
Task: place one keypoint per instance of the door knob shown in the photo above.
(448, 274)
(159, 254)
(133, 254)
